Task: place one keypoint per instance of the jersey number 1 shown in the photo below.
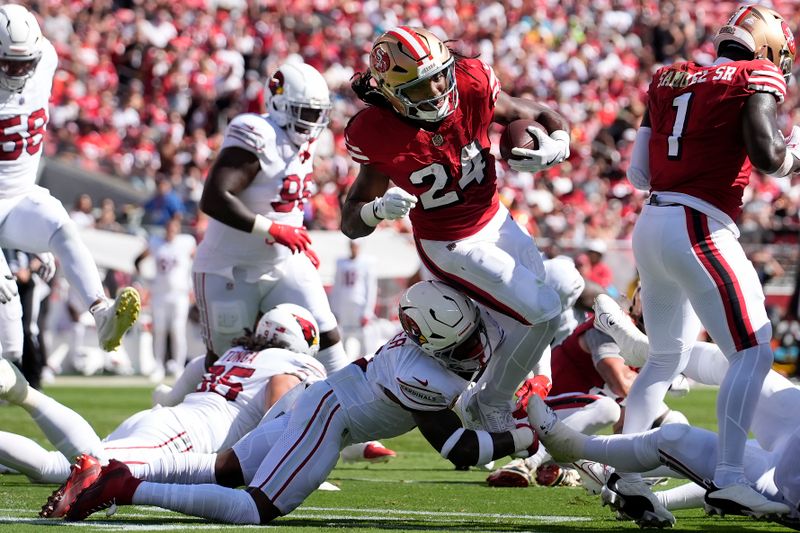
(679, 127)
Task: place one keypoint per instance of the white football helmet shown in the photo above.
(446, 325)
(298, 99)
(20, 46)
(293, 325)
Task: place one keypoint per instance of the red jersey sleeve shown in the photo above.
(764, 77)
(481, 83)
(362, 137)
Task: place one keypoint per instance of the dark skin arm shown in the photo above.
(437, 426)
(509, 108)
(369, 184)
(762, 136)
(233, 170)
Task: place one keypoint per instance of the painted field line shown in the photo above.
(445, 514)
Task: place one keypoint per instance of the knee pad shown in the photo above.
(547, 306)
(674, 433)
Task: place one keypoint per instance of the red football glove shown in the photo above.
(312, 255)
(296, 239)
(538, 385)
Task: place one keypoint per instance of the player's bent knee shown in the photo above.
(267, 512)
(605, 411)
(542, 304)
(673, 433)
(227, 470)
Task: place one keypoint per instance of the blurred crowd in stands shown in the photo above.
(145, 88)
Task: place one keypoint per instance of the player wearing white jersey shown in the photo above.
(255, 253)
(230, 401)
(413, 380)
(170, 293)
(32, 220)
(353, 296)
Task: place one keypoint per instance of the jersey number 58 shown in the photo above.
(16, 134)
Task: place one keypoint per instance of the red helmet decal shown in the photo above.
(787, 32)
(380, 59)
(276, 83)
(309, 330)
(412, 329)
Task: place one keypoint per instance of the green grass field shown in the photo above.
(418, 491)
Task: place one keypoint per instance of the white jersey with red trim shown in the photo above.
(279, 192)
(23, 121)
(230, 401)
(369, 390)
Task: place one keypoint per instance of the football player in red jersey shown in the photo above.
(426, 130)
(704, 128)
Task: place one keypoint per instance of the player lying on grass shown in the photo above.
(590, 382)
(413, 380)
(690, 452)
(229, 402)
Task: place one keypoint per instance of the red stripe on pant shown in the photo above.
(724, 278)
(468, 288)
(179, 435)
(313, 451)
(297, 442)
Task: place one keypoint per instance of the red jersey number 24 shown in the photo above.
(473, 165)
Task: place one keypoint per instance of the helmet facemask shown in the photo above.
(435, 108)
(470, 355)
(15, 73)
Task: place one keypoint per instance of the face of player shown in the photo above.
(20, 70)
(430, 91)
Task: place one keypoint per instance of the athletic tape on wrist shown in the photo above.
(368, 214)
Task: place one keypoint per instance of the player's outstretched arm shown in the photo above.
(763, 139)
(465, 447)
(233, 171)
(359, 213)
(507, 109)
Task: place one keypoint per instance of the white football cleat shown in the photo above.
(635, 501)
(114, 318)
(478, 415)
(741, 500)
(514, 474)
(327, 486)
(593, 475)
(562, 442)
(13, 385)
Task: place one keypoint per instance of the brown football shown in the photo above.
(516, 135)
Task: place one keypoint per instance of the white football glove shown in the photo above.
(8, 288)
(396, 203)
(553, 149)
(48, 268)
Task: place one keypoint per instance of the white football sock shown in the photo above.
(27, 457)
(68, 431)
(508, 368)
(333, 357)
(686, 496)
(181, 468)
(631, 453)
(232, 506)
(77, 264)
(736, 403)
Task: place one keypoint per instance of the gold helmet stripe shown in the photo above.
(413, 42)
